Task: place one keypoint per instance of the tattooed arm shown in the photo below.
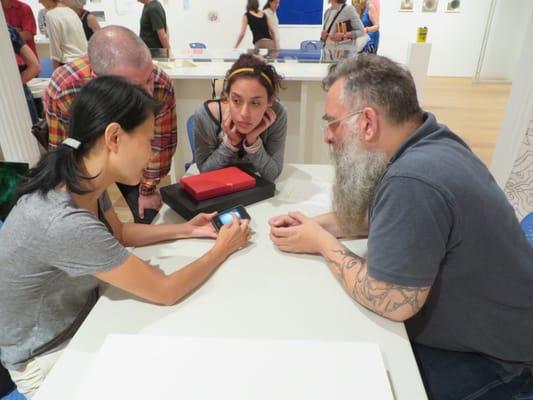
(305, 235)
(389, 300)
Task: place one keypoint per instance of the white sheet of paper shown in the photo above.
(136, 367)
(314, 193)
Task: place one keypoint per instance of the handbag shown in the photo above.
(333, 20)
(40, 132)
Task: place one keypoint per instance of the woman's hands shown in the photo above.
(268, 119)
(233, 236)
(235, 137)
(200, 226)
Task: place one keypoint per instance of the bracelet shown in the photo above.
(228, 143)
(254, 148)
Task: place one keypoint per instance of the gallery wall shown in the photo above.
(456, 37)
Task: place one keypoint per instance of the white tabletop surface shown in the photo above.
(258, 292)
(189, 69)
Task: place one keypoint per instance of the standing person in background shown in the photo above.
(154, 30)
(30, 69)
(270, 8)
(260, 26)
(88, 20)
(340, 12)
(20, 16)
(370, 19)
(115, 50)
(67, 39)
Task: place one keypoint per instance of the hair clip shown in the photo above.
(72, 143)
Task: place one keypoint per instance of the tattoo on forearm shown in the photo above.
(381, 297)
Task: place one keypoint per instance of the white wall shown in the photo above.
(456, 37)
(505, 40)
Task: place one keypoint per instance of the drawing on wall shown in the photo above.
(406, 5)
(212, 16)
(454, 6)
(430, 5)
(124, 7)
(519, 186)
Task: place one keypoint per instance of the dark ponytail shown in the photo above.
(102, 101)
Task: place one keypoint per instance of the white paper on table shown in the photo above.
(165, 367)
(310, 192)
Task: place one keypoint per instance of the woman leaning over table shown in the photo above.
(247, 125)
(63, 236)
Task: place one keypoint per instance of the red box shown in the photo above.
(217, 183)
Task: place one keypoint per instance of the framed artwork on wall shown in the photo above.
(454, 6)
(406, 5)
(430, 5)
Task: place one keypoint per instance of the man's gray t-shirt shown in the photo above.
(50, 249)
(439, 219)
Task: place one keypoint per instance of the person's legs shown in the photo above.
(131, 195)
(450, 375)
(31, 104)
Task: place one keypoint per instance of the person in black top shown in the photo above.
(154, 30)
(260, 26)
(88, 20)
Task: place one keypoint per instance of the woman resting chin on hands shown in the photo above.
(247, 125)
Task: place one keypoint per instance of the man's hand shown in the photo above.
(283, 221)
(152, 202)
(323, 35)
(201, 226)
(268, 119)
(295, 233)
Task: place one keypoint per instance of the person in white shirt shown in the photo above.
(270, 8)
(65, 31)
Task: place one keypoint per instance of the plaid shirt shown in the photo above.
(68, 80)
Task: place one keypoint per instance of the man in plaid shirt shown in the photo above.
(116, 50)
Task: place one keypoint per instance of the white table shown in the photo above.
(258, 292)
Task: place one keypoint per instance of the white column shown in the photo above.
(518, 115)
(16, 140)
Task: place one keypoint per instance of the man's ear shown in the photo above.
(112, 136)
(369, 121)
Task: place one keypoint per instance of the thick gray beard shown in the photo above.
(357, 172)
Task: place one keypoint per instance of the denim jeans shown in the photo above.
(31, 104)
(451, 375)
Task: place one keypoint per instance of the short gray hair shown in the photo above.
(115, 46)
(375, 80)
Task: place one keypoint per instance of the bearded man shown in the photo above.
(446, 253)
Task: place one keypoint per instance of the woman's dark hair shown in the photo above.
(250, 66)
(267, 4)
(252, 5)
(102, 101)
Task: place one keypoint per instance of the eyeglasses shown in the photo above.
(328, 125)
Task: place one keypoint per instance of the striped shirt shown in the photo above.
(68, 80)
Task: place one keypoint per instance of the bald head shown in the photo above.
(115, 48)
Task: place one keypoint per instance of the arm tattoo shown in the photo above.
(381, 297)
